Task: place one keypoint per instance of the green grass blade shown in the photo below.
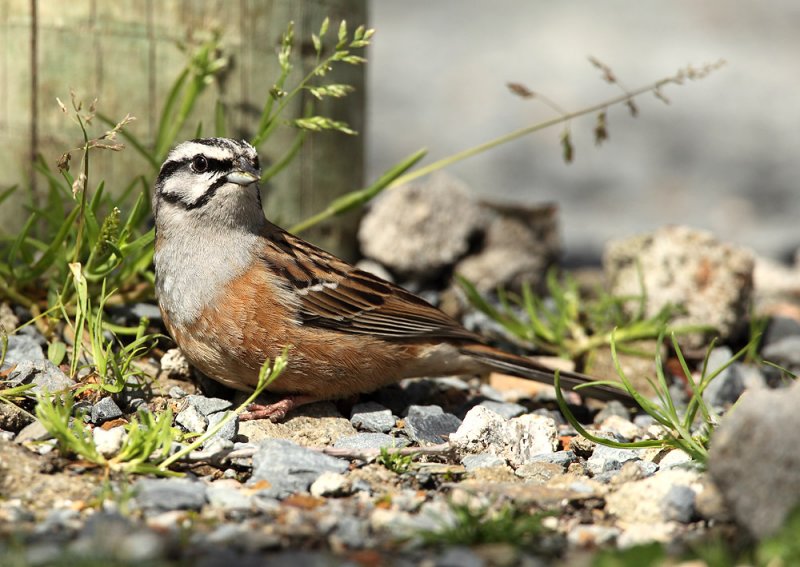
(55, 246)
(220, 126)
(358, 198)
(163, 137)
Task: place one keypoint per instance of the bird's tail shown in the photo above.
(531, 370)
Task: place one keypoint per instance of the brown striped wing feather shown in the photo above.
(335, 295)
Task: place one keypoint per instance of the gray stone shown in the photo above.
(228, 498)
(505, 409)
(46, 376)
(418, 410)
(561, 458)
(728, 385)
(105, 410)
(679, 504)
(177, 393)
(191, 420)
(422, 228)
(370, 441)
(481, 461)
(34, 431)
(753, 462)
(170, 494)
(371, 416)
(605, 459)
(22, 348)
(708, 281)
(207, 406)
(460, 557)
(779, 328)
(429, 424)
(784, 352)
(228, 431)
(290, 468)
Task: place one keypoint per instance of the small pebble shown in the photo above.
(481, 461)
(177, 393)
(174, 364)
(228, 498)
(605, 459)
(170, 494)
(373, 417)
(429, 424)
(105, 410)
(727, 386)
(228, 431)
(561, 458)
(108, 442)
(22, 348)
(34, 431)
(191, 420)
(370, 441)
(330, 484)
(207, 406)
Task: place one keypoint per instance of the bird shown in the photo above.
(235, 290)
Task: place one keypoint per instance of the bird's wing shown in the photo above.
(334, 294)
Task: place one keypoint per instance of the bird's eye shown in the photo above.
(199, 164)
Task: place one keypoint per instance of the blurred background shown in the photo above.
(720, 156)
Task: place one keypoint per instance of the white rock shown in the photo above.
(192, 420)
(517, 440)
(481, 431)
(650, 501)
(174, 363)
(108, 442)
(330, 484)
(530, 435)
(621, 427)
(674, 458)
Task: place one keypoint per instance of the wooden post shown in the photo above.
(125, 53)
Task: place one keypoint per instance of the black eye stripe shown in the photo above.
(201, 201)
(219, 165)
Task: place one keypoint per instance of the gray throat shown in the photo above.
(195, 262)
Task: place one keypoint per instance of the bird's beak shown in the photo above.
(245, 174)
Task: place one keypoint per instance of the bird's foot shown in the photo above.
(277, 411)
